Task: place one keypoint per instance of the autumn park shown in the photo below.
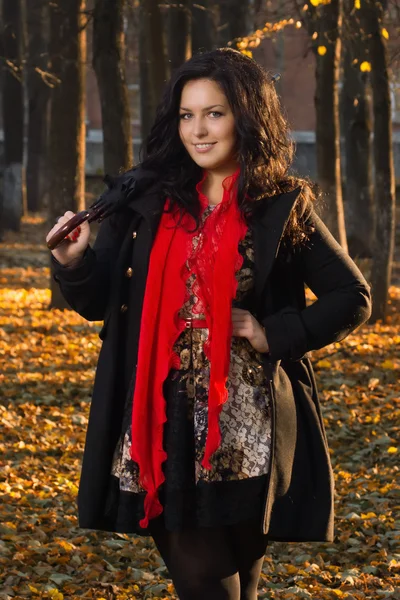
(79, 86)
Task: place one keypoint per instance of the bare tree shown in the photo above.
(234, 20)
(153, 71)
(38, 87)
(383, 159)
(109, 66)
(324, 23)
(67, 123)
(356, 124)
(205, 14)
(179, 26)
(13, 116)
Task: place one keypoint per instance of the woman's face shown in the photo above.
(207, 126)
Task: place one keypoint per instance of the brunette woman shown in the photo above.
(205, 428)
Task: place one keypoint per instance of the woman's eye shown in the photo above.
(214, 114)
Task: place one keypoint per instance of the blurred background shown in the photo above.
(79, 83)
(81, 79)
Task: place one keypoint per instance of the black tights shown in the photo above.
(213, 563)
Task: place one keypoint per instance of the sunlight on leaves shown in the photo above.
(365, 66)
(50, 359)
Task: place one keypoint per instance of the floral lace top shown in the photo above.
(245, 419)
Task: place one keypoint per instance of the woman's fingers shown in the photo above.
(74, 235)
(243, 323)
(75, 243)
(61, 220)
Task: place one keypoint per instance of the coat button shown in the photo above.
(128, 272)
(134, 235)
(124, 308)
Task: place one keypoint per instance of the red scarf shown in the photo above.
(215, 262)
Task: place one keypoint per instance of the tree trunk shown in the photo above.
(38, 102)
(204, 25)
(356, 127)
(234, 20)
(153, 71)
(328, 26)
(109, 66)
(67, 123)
(179, 32)
(383, 159)
(13, 117)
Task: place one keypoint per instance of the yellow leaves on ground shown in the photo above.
(388, 364)
(50, 360)
(324, 364)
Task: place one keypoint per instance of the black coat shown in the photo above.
(109, 285)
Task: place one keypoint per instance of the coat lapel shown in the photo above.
(268, 226)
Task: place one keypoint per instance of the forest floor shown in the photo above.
(48, 365)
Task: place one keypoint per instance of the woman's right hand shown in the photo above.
(71, 251)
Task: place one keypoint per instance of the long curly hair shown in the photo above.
(264, 146)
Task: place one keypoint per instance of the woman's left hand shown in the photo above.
(245, 325)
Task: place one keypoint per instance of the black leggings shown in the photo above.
(213, 563)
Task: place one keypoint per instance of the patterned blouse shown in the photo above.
(245, 419)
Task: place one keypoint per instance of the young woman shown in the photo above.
(205, 428)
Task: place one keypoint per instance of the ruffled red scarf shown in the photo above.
(215, 262)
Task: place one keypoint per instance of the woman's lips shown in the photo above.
(202, 148)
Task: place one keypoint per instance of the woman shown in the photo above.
(205, 428)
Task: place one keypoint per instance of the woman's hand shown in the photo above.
(70, 252)
(245, 325)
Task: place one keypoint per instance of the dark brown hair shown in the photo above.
(265, 148)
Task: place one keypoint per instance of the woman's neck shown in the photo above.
(212, 187)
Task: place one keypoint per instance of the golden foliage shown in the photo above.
(365, 66)
(49, 362)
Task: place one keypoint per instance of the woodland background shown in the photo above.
(77, 75)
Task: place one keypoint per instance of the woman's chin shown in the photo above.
(206, 162)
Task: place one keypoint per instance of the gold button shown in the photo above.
(128, 272)
(134, 235)
(124, 308)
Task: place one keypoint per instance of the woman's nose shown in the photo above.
(199, 128)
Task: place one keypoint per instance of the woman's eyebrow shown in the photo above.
(206, 108)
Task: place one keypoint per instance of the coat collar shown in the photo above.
(268, 225)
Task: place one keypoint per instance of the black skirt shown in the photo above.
(186, 504)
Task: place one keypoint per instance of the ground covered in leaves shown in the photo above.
(48, 363)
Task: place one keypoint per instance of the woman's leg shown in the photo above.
(248, 547)
(200, 562)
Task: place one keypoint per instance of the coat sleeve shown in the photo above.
(343, 298)
(87, 287)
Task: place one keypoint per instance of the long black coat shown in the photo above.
(109, 285)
